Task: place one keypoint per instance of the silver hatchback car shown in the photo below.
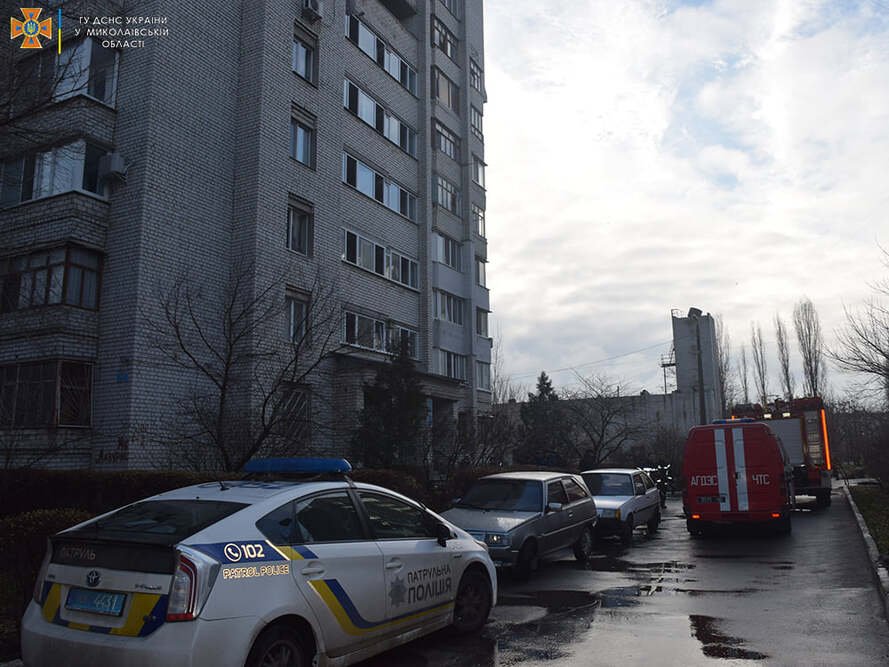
(525, 516)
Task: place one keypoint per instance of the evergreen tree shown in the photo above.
(543, 426)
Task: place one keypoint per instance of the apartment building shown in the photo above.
(293, 152)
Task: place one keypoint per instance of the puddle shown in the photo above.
(707, 591)
(715, 644)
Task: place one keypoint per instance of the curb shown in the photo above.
(880, 573)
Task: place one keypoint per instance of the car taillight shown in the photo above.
(41, 576)
(183, 592)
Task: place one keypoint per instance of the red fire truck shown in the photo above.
(736, 472)
(801, 426)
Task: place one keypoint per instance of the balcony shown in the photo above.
(402, 9)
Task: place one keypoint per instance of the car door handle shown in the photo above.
(570, 514)
(313, 569)
(394, 565)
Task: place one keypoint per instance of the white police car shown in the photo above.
(291, 573)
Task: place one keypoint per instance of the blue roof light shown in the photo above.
(736, 420)
(299, 465)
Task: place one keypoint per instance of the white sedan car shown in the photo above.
(292, 573)
(625, 498)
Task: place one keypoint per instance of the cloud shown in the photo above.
(645, 156)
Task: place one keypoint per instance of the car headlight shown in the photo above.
(610, 514)
(497, 540)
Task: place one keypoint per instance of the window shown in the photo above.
(86, 68)
(638, 485)
(448, 307)
(475, 122)
(72, 167)
(555, 493)
(451, 365)
(447, 251)
(478, 170)
(68, 275)
(453, 6)
(447, 195)
(330, 517)
(292, 417)
(378, 117)
(445, 141)
(380, 260)
(575, 491)
(368, 41)
(483, 375)
(46, 393)
(279, 526)
(302, 137)
(481, 322)
(478, 219)
(375, 185)
(411, 337)
(365, 332)
(444, 39)
(394, 519)
(445, 91)
(475, 76)
(297, 308)
(480, 276)
(300, 227)
(305, 46)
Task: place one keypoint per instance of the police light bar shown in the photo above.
(733, 420)
(301, 466)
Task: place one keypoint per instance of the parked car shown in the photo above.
(525, 516)
(256, 572)
(625, 498)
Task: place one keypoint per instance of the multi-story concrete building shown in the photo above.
(317, 150)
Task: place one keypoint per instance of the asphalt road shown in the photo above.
(669, 599)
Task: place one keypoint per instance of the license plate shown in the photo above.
(95, 602)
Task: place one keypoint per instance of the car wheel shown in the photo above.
(278, 646)
(654, 521)
(583, 548)
(626, 530)
(525, 561)
(473, 602)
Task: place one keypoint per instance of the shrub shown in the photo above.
(402, 481)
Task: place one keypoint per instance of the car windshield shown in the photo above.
(609, 484)
(504, 494)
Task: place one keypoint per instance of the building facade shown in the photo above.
(321, 161)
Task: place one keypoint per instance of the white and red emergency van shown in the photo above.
(736, 472)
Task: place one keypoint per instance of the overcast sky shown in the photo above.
(646, 155)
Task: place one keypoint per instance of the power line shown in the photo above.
(592, 363)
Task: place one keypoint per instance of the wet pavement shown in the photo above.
(670, 599)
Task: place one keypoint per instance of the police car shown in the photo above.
(319, 570)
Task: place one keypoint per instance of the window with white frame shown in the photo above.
(303, 56)
(403, 269)
(483, 375)
(444, 39)
(297, 316)
(445, 91)
(447, 195)
(481, 322)
(447, 251)
(368, 41)
(302, 137)
(451, 364)
(71, 167)
(378, 259)
(445, 141)
(480, 277)
(475, 122)
(478, 219)
(86, 68)
(448, 307)
(397, 334)
(478, 170)
(376, 186)
(378, 117)
(300, 226)
(366, 332)
(475, 76)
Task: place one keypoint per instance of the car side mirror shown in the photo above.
(442, 534)
(455, 501)
(554, 507)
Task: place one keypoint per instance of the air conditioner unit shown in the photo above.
(312, 9)
(112, 167)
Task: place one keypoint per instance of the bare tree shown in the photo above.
(249, 388)
(503, 389)
(787, 379)
(724, 365)
(743, 374)
(811, 346)
(760, 366)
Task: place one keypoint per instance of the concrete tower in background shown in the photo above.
(697, 379)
